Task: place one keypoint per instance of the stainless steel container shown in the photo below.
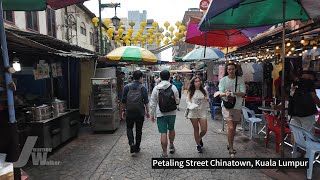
(58, 106)
(41, 112)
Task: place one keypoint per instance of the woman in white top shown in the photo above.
(197, 100)
(228, 90)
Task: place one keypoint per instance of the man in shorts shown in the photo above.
(165, 120)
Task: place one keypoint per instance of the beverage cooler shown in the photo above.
(104, 112)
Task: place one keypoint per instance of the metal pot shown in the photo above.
(58, 106)
(41, 112)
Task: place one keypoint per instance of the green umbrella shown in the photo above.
(238, 14)
(235, 14)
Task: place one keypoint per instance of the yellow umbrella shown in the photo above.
(131, 53)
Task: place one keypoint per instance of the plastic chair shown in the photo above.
(274, 125)
(306, 141)
(252, 120)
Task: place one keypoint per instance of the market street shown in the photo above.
(106, 156)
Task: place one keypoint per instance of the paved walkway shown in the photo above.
(106, 156)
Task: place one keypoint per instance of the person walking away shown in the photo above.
(303, 102)
(135, 100)
(179, 85)
(197, 101)
(163, 102)
(231, 88)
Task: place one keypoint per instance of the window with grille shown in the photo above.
(32, 20)
(51, 22)
(8, 16)
(83, 29)
(91, 38)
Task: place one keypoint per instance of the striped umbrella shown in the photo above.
(198, 54)
(131, 53)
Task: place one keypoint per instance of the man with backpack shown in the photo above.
(135, 100)
(163, 102)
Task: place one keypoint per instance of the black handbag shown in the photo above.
(231, 102)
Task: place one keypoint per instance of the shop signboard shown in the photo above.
(204, 4)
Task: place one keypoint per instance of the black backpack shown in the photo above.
(134, 103)
(167, 100)
(301, 104)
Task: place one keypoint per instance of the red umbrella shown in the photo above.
(220, 38)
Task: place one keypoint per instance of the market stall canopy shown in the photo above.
(36, 5)
(220, 38)
(237, 14)
(131, 54)
(198, 54)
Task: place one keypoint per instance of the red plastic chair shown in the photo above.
(274, 125)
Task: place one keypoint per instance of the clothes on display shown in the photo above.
(248, 72)
(254, 89)
(258, 72)
(268, 81)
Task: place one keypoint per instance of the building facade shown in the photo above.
(71, 24)
(137, 17)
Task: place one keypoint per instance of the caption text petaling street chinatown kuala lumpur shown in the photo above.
(159, 89)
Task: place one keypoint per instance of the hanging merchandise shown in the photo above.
(54, 69)
(41, 70)
(248, 72)
(254, 89)
(258, 72)
(268, 81)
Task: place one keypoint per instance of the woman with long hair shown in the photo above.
(232, 88)
(197, 99)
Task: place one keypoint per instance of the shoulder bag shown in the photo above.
(231, 100)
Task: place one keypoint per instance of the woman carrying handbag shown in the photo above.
(232, 88)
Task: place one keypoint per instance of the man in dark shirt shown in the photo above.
(305, 84)
(136, 109)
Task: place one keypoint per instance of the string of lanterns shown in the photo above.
(267, 53)
(154, 35)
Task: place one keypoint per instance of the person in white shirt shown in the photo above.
(197, 101)
(230, 90)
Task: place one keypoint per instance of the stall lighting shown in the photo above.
(267, 50)
(305, 51)
(288, 44)
(314, 47)
(300, 54)
(292, 49)
(277, 47)
(16, 65)
(302, 41)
